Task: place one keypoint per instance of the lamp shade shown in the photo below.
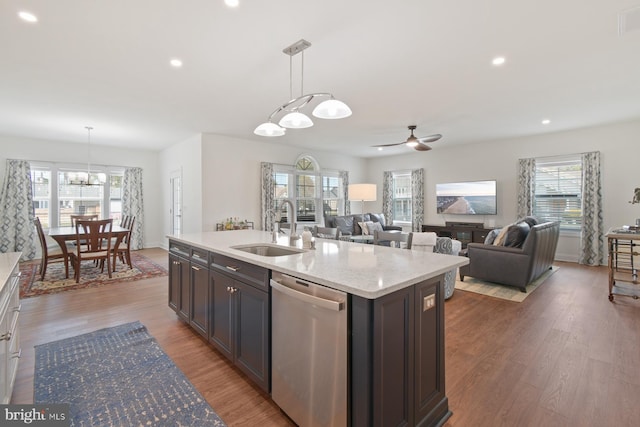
(364, 192)
(269, 129)
(332, 109)
(295, 120)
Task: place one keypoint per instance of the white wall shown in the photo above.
(617, 143)
(231, 174)
(62, 152)
(185, 158)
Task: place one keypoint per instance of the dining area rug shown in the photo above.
(509, 293)
(118, 376)
(90, 276)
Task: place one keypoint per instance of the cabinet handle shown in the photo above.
(234, 290)
(5, 337)
(229, 288)
(17, 309)
(17, 355)
(232, 268)
(195, 268)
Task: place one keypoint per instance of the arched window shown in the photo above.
(315, 192)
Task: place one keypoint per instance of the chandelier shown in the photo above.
(87, 179)
(294, 118)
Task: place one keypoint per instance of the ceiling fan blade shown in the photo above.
(422, 147)
(389, 145)
(430, 138)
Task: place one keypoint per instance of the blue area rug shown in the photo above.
(118, 376)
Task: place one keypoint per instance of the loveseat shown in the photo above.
(529, 251)
(348, 224)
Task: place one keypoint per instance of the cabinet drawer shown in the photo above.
(179, 249)
(200, 256)
(244, 271)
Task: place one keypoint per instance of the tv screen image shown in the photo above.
(467, 198)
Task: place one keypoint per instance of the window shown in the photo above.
(315, 192)
(56, 194)
(401, 203)
(558, 191)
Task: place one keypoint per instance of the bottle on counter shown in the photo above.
(306, 238)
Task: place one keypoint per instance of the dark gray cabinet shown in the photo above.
(397, 358)
(240, 316)
(199, 293)
(179, 280)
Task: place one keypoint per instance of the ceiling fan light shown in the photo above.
(332, 109)
(412, 141)
(295, 120)
(269, 129)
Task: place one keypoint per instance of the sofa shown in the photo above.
(525, 251)
(348, 224)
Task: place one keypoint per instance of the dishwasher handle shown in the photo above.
(311, 299)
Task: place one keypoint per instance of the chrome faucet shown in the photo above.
(292, 233)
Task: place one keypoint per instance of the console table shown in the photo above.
(623, 262)
(464, 232)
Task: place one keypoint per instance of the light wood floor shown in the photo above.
(566, 356)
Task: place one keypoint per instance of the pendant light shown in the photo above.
(294, 118)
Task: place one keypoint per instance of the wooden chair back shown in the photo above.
(93, 236)
(326, 232)
(390, 238)
(77, 217)
(49, 256)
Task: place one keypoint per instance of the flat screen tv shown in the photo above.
(467, 198)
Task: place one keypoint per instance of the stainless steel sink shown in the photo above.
(264, 249)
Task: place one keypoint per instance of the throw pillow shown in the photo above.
(516, 235)
(363, 228)
(345, 224)
(374, 226)
(378, 218)
(491, 237)
(499, 240)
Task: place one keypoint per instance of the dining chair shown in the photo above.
(50, 253)
(326, 232)
(82, 217)
(96, 246)
(430, 242)
(123, 251)
(390, 238)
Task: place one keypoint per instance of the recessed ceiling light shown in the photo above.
(175, 62)
(232, 3)
(546, 121)
(379, 148)
(498, 60)
(27, 16)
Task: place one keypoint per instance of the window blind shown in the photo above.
(558, 191)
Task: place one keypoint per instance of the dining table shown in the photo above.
(62, 235)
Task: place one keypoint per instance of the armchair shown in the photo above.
(514, 266)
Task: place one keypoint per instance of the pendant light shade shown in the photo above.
(293, 118)
(296, 120)
(332, 109)
(269, 129)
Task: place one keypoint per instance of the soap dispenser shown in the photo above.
(306, 238)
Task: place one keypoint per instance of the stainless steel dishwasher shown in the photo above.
(309, 351)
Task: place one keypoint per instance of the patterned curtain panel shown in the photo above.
(267, 200)
(592, 247)
(132, 204)
(344, 178)
(526, 186)
(417, 196)
(17, 232)
(387, 196)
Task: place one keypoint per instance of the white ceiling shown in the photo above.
(105, 63)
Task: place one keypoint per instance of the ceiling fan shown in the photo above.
(414, 142)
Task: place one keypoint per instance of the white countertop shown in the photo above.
(8, 262)
(361, 269)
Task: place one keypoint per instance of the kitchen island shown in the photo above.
(395, 305)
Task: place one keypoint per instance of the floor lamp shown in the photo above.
(362, 192)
